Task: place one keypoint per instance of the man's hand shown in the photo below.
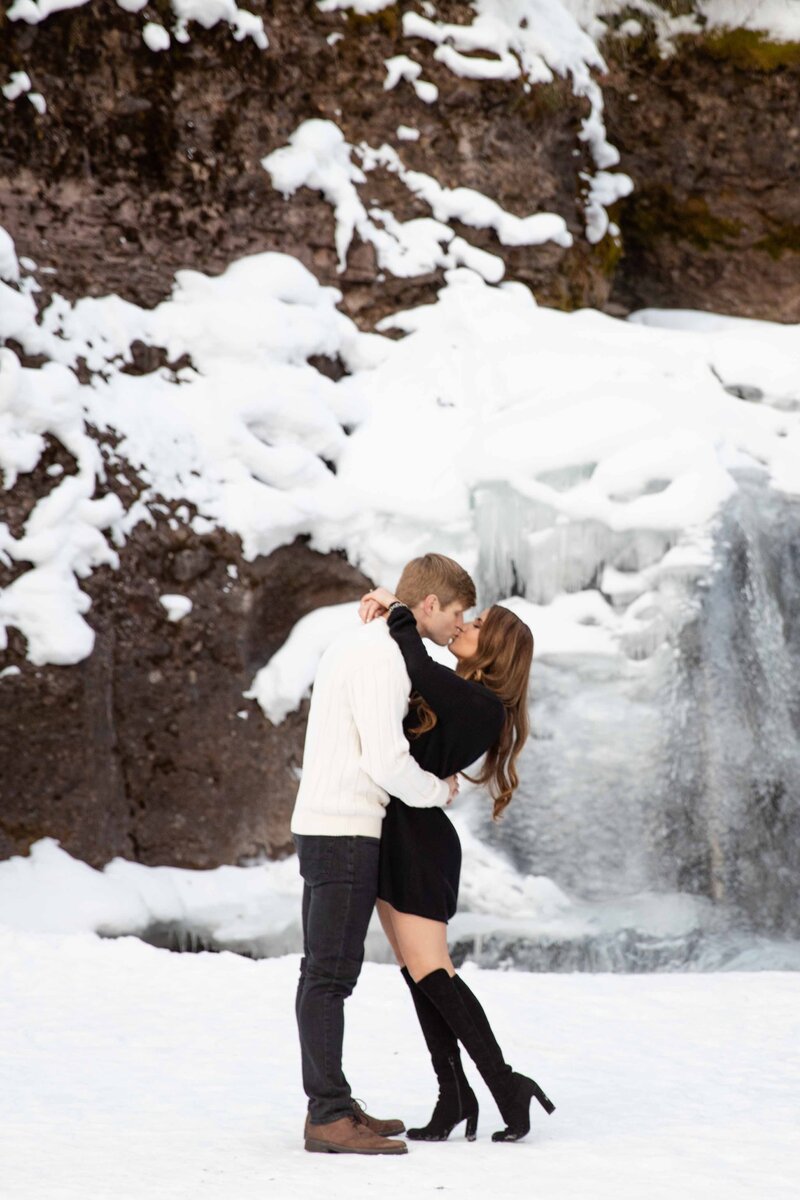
(375, 604)
(452, 783)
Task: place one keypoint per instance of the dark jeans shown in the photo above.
(340, 877)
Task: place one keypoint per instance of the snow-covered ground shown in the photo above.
(134, 1073)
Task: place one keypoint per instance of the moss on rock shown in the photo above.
(387, 21)
(748, 49)
(606, 255)
(780, 239)
(657, 212)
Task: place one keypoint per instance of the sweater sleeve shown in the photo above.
(437, 684)
(378, 693)
(480, 713)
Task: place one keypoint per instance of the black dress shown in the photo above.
(420, 855)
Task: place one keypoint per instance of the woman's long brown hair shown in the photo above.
(503, 664)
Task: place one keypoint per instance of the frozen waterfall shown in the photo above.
(666, 757)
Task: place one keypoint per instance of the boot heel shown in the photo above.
(545, 1101)
(516, 1112)
(471, 1132)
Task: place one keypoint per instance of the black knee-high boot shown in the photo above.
(512, 1091)
(457, 1102)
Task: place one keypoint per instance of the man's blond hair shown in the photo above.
(435, 575)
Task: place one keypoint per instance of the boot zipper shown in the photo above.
(452, 1062)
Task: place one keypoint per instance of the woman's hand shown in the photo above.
(382, 595)
(375, 604)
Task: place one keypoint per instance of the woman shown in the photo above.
(454, 718)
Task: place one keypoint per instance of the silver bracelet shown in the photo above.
(394, 605)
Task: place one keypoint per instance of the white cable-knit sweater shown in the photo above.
(356, 754)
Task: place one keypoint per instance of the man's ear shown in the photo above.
(430, 604)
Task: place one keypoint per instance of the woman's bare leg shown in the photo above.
(421, 943)
(385, 914)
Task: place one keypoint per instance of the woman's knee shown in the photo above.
(424, 956)
(420, 966)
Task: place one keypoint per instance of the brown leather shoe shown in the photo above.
(347, 1136)
(384, 1128)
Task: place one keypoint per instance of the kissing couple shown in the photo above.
(389, 729)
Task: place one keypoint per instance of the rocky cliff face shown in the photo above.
(145, 163)
(712, 139)
(148, 749)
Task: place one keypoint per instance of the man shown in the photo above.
(356, 756)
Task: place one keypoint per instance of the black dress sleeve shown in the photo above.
(480, 713)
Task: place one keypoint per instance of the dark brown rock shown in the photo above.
(189, 564)
(146, 163)
(712, 139)
(140, 751)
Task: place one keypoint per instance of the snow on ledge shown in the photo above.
(779, 20)
(51, 892)
(207, 13)
(470, 206)
(249, 907)
(251, 404)
(403, 67)
(35, 11)
(177, 607)
(18, 84)
(535, 39)
(318, 157)
(286, 680)
(362, 8)
(9, 264)
(155, 37)
(535, 436)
